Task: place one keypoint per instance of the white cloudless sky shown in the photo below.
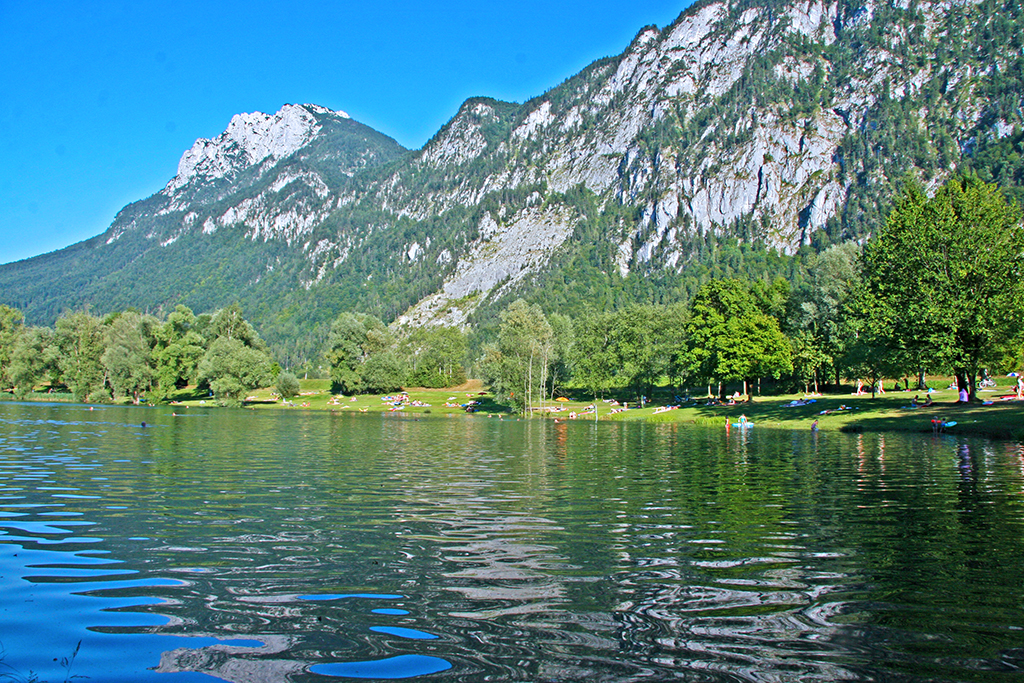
(98, 100)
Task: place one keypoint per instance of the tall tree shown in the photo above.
(345, 351)
(232, 368)
(641, 354)
(819, 310)
(383, 372)
(11, 326)
(944, 278)
(355, 338)
(562, 340)
(729, 338)
(177, 363)
(435, 356)
(230, 324)
(178, 350)
(594, 358)
(517, 365)
(808, 358)
(676, 316)
(127, 357)
(79, 339)
(34, 359)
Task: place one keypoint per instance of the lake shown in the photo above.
(289, 546)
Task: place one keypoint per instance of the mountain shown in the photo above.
(731, 142)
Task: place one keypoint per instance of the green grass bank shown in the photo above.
(890, 412)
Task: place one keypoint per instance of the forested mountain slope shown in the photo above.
(743, 134)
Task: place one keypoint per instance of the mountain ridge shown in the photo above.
(730, 141)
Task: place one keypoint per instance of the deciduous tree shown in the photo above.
(79, 340)
(819, 310)
(287, 385)
(639, 347)
(944, 278)
(517, 365)
(178, 350)
(11, 327)
(729, 338)
(127, 358)
(594, 357)
(232, 368)
(34, 359)
(355, 338)
(435, 356)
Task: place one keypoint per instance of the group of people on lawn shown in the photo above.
(962, 394)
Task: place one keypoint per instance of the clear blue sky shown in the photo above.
(98, 100)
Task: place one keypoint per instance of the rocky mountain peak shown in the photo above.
(249, 139)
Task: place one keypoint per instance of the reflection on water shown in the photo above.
(402, 666)
(242, 547)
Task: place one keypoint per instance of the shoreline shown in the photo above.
(891, 412)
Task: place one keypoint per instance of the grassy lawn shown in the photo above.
(890, 412)
(316, 394)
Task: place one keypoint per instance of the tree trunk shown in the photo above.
(543, 379)
(529, 390)
(962, 383)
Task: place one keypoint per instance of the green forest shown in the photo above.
(938, 289)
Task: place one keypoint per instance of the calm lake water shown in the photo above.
(288, 546)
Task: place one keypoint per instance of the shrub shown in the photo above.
(287, 385)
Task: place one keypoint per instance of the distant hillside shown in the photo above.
(743, 134)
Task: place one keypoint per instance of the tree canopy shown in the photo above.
(943, 280)
(517, 365)
(730, 338)
(361, 353)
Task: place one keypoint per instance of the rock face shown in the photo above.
(274, 176)
(249, 139)
(498, 261)
(776, 124)
(735, 114)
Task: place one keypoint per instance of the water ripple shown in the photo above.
(286, 546)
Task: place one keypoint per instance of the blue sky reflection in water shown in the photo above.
(402, 666)
(308, 546)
